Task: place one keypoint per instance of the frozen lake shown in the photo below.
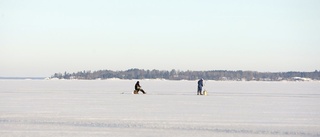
(80, 108)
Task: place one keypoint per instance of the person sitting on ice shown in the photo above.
(138, 88)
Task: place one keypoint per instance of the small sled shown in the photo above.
(205, 93)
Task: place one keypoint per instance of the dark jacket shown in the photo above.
(137, 86)
(200, 83)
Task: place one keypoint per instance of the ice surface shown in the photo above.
(69, 108)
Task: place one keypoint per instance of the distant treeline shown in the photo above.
(191, 75)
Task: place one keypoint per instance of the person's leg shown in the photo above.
(198, 92)
(142, 91)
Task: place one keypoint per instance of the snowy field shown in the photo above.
(106, 108)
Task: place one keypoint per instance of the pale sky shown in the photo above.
(42, 37)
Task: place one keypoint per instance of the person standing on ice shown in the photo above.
(137, 88)
(200, 85)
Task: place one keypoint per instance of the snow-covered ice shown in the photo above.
(82, 108)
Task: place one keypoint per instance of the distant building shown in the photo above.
(301, 79)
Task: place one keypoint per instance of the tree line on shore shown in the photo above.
(191, 75)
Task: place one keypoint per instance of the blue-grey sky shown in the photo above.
(41, 37)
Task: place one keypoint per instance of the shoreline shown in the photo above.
(117, 79)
